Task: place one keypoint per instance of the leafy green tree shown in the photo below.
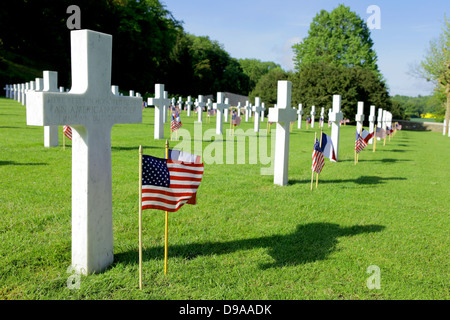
(436, 65)
(266, 88)
(255, 69)
(339, 37)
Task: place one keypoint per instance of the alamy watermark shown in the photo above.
(374, 281)
(374, 21)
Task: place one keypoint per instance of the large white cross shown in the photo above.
(50, 132)
(300, 113)
(200, 105)
(220, 106)
(257, 108)
(91, 109)
(336, 117)
(159, 102)
(282, 114)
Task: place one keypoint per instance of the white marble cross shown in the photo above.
(91, 110)
(114, 90)
(380, 120)
(220, 106)
(188, 105)
(336, 117)
(359, 117)
(166, 106)
(263, 106)
(159, 102)
(257, 108)
(51, 138)
(371, 121)
(239, 109)
(226, 110)
(322, 116)
(200, 105)
(299, 115)
(131, 93)
(180, 104)
(248, 108)
(313, 115)
(282, 114)
(6, 88)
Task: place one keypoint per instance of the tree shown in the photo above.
(266, 88)
(436, 65)
(255, 69)
(339, 37)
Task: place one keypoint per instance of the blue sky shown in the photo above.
(266, 30)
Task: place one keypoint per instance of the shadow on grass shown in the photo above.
(13, 163)
(309, 243)
(134, 148)
(386, 160)
(363, 180)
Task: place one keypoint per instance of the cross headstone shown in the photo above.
(220, 106)
(91, 110)
(14, 92)
(322, 116)
(188, 105)
(180, 103)
(248, 109)
(6, 88)
(336, 117)
(299, 115)
(61, 89)
(131, 93)
(263, 106)
(384, 120)
(21, 88)
(444, 127)
(200, 105)
(239, 109)
(371, 121)
(158, 101)
(226, 110)
(166, 107)
(51, 138)
(329, 112)
(313, 115)
(380, 120)
(359, 117)
(257, 108)
(282, 114)
(209, 104)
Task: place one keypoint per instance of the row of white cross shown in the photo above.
(91, 109)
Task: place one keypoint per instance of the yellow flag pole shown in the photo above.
(312, 170)
(375, 138)
(320, 145)
(166, 242)
(64, 140)
(140, 217)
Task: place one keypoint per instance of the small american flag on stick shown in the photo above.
(67, 132)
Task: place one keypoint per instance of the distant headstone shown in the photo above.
(313, 115)
(115, 90)
(220, 106)
(322, 117)
(51, 138)
(200, 105)
(226, 110)
(336, 117)
(166, 112)
(91, 110)
(299, 115)
(248, 108)
(371, 121)
(189, 105)
(263, 106)
(359, 117)
(282, 114)
(257, 108)
(158, 101)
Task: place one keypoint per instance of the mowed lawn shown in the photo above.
(246, 238)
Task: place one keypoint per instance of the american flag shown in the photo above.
(175, 124)
(317, 158)
(67, 132)
(380, 133)
(361, 140)
(168, 184)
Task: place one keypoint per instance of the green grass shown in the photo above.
(246, 238)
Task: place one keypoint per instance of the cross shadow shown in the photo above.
(362, 180)
(134, 148)
(13, 163)
(308, 243)
(386, 160)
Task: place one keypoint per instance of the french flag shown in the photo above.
(327, 148)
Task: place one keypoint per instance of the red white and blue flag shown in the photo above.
(67, 132)
(317, 158)
(175, 123)
(168, 184)
(362, 140)
(327, 148)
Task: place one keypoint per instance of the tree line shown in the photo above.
(150, 46)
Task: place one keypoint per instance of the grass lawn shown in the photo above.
(246, 238)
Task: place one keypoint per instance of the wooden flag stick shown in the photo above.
(140, 217)
(320, 145)
(64, 140)
(375, 138)
(312, 170)
(166, 233)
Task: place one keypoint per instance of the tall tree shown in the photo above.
(436, 65)
(255, 69)
(340, 37)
